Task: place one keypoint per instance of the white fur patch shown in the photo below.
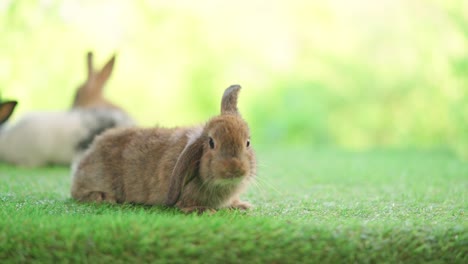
(193, 134)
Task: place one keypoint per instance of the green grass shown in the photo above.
(311, 206)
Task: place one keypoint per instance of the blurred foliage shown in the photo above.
(356, 74)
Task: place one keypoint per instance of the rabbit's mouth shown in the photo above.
(225, 182)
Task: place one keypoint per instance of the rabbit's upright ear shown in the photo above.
(184, 170)
(89, 64)
(6, 109)
(229, 101)
(105, 73)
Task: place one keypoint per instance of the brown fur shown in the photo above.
(6, 109)
(90, 93)
(171, 166)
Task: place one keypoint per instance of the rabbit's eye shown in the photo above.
(248, 142)
(211, 143)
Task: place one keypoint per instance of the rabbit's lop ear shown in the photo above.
(89, 64)
(6, 109)
(106, 71)
(229, 101)
(184, 170)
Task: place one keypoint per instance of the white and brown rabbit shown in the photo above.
(43, 138)
(193, 168)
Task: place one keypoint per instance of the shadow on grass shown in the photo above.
(93, 208)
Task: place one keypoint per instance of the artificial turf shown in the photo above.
(311, 206)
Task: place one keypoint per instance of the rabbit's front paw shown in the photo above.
(241, 205)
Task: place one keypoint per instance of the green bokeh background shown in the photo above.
(354, 74)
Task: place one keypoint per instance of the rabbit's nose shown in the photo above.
(235, 168)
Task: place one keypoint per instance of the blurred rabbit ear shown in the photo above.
(229, 101)
(106, 71)
(184, 170)
(6, 109)
(89, 63)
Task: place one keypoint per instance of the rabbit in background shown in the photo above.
(91, 92)
(43, 138)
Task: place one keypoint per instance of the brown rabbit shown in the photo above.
(195, 169)
(90, 93)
